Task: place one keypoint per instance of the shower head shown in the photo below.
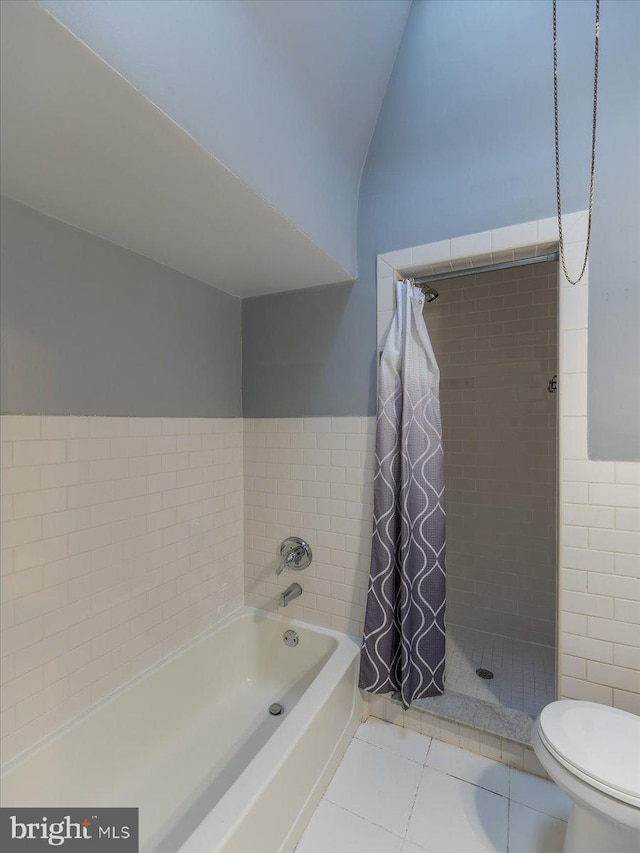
(430, 293)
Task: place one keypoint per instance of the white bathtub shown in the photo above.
(192, 744)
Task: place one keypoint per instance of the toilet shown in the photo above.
(592, 752)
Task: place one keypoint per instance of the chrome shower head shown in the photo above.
(430, 293)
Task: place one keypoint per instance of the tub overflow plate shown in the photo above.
(484, 673)
(291, 638)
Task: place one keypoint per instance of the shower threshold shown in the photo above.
(477, 714)
(505, 705)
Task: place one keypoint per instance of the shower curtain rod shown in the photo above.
(538, 259)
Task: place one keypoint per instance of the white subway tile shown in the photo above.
(588, 472)
(619, 495)
(574, 227)
(429, 253)
(109, 427)
(614, 632)
(20, 427)
(627, 564)
(627, 611)
(400, 259)
(628, 472)
(471, 244)
(614, 676)
(63, 426)
(590, 561)
(626, 701)
(6, 454)
(620, 541)
(385, 294)
(384, 319)
(589, 605)
(574, 394)
(41, 552)
(573, 351)
(150, 426)
(617, 586)
(588, 516)
(547, 230)
(15, 480)
(21, 531)
(626, 656)
(575, 537)
(574, 307)
(574, 688)
(525, 234)
(627, 519)
(574, 439)
(575, 493)
(587, 647)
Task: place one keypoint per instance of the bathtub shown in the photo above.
(192, 744)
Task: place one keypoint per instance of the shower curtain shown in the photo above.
(403, 646)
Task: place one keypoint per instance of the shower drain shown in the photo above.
(484, 673)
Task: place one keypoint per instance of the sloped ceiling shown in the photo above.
(279, 99)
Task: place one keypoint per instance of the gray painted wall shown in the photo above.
(464, 143)
(291, 343)
(89, 328)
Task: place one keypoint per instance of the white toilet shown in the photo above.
(593, 753)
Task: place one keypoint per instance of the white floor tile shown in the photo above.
(468, 766)
(404, 742)
(539, 794)
(452, 816)
(533, 832)
(376, 784)
(334, 830)
(410, 847)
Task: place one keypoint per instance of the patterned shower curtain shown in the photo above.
(404, 633)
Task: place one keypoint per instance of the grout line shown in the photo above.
(366, 819)
(413, 803)
(392, 751)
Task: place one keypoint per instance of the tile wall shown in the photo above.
(495, 338)
(310, 477)
(121, 540)
(599, 569)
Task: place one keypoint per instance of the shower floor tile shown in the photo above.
(524, 673)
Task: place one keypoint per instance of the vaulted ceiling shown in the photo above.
(225, 139)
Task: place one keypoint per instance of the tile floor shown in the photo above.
(397, 791)
(524, 673)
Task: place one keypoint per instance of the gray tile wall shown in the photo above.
(495, 337)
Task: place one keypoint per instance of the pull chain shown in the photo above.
(593, 142)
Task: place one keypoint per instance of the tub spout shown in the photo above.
(291, 592)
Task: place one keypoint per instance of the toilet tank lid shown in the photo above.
(600, 742)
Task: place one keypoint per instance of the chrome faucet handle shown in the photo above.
(287, 561)
(296, 554)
